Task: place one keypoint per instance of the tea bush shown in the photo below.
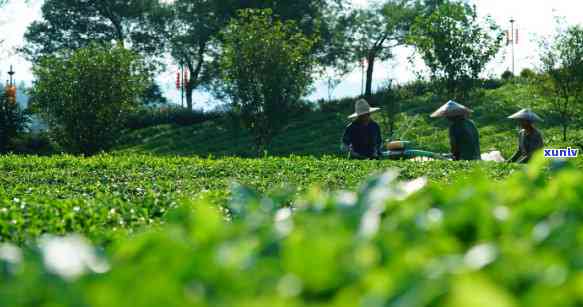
(476, 242)
(92, 196)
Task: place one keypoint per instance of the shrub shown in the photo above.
(475, 243)
(418, 87)
(86, 95)
(528, 74)
(33, 144)
(492, 84)
(507, 75)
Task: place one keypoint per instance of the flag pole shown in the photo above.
(182, 85)
(512, 20)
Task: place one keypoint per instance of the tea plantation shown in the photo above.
(173, 217)
(94, 196)
(178, 232)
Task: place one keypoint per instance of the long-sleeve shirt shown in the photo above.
(364, 139)
(465, 140)
(528, 143)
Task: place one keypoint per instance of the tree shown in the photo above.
(86, 95)
(376, 31)
(267, 67)
(561, 74)
(455, 45)
(191, 29)
(73, 24)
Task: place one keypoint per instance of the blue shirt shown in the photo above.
(365, 139)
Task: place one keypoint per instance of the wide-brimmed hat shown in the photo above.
(451, 108)
(361, 107)
(526, 114)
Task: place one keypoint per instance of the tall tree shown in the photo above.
(376, 31)
(561, 75)
(73, 24)
(192, 27)
(456, 45)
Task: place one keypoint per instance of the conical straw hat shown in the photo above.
(526, 114)
(451, 108)
(362, 107)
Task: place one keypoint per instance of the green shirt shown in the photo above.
(465, 140)
(527, 145)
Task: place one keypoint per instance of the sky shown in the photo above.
(534, 19)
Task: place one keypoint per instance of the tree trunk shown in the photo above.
(369, 71)
(189, 90)
(194, 72)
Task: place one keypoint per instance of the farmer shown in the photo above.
(362, 138)
(463, 135)
(529, 138)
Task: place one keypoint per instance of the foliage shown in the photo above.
(30, 143)
(562, 75)
(388, 243)
(267, 66)
(507, 75)
(528, 74)
(314, 18)
(456, 45)
(318, 132)
(73, 24)
(12, 121)
(86, 96)
(153, 95)
(376, 31)
(189, 31)
(390, 100)
(151, 185)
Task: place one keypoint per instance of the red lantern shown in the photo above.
(186, 77)
(177, 80)
(11, 92)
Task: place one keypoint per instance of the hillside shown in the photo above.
(318, 132)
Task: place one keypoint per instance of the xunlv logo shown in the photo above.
(561, 153)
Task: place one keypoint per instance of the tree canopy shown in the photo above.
(267, 66)
(561, 75)
(374, 32)
(85, 96)
(455, 44)
(73, 24)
